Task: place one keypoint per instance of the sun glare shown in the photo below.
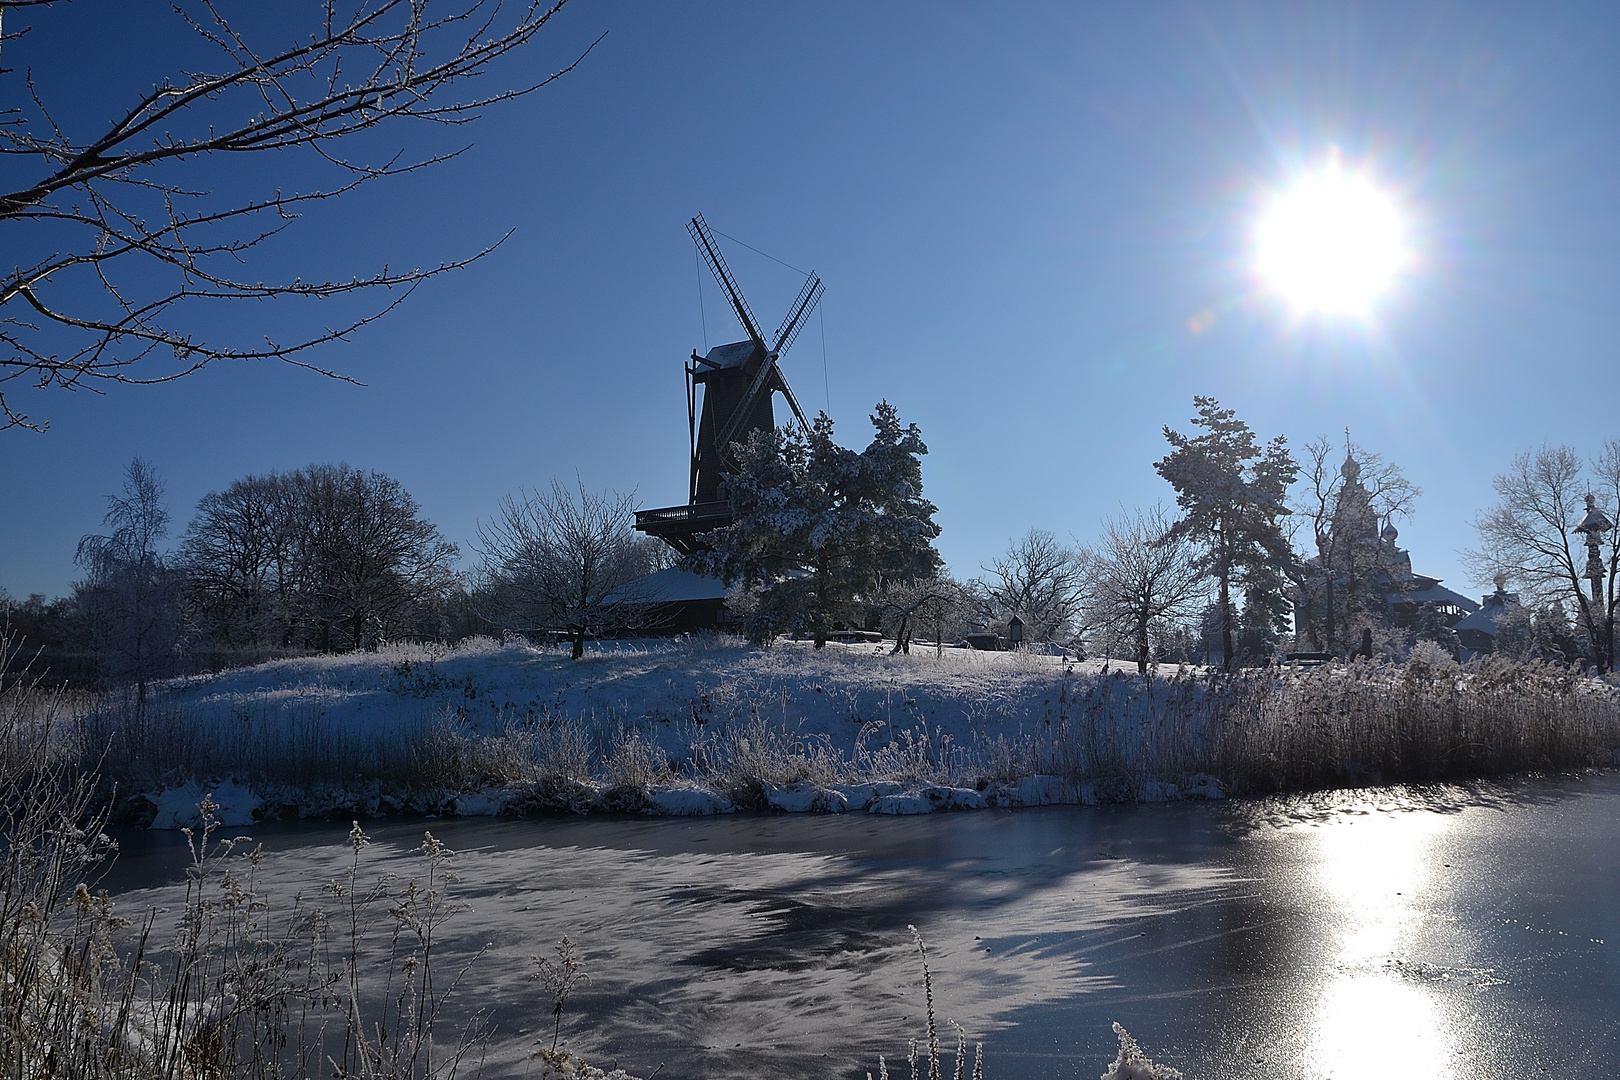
(1333, 244)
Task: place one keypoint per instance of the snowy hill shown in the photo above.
(693, 725)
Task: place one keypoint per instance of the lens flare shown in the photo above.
(1333, 244)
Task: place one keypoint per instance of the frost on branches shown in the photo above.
(818, 529)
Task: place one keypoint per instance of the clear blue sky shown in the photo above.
(1020, 211)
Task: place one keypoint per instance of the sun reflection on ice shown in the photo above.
(1370, 1021)
(1372, 1026)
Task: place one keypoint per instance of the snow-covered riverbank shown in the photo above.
(711, 725)
(656, 726)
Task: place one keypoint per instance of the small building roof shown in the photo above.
(1485, 619)
(671, 586)
(1430, 591)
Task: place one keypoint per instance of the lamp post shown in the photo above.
(1593, 527)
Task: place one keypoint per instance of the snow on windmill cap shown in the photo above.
(730, 356)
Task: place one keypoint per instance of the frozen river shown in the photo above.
(1467, 933)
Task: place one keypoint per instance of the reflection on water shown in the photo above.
(1369, 1022)
(1369, 1026)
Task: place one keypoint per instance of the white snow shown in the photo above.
(862, 796)
(177, 807)
(805, 798)
(1157, 791)
(1132, 1064)
(897, 716)
(902, 804)
(688, 801)
(485, 803)
(1038, 790)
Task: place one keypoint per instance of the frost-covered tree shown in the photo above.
(127, 606)
(819, 529)
(1042, 581)
(1528, 538)
(939, 606)
(564, 559)
(1144, 577)
(1233, 497)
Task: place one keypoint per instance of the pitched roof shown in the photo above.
(731, 356)
(669, 587)
(1434, 593)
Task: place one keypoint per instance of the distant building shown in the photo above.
(1413, 597)
(672, 602)
(1478, 631)
(1385, 577)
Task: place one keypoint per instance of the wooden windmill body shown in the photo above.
(738, 382)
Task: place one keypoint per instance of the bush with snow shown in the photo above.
(1132, 1064)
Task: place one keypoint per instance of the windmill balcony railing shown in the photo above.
(691, 512)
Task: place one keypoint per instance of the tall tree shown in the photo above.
(366, 558)
(128, 603)
(1529, 537)
(564, 559)
(126, 236)
(1144, 574)
(1042, 581)
(327, 557)
(1233, 497)
(236, 556)
(819, 529)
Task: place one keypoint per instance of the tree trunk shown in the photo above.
(1608, 643)
(1141, 648)
(1589, 623)
(1309, 609)
(1327, 592)
(820, 616)
(1226, 621)
(579, 641)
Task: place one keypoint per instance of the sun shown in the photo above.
(1333, 244)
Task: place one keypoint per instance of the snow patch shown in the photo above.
(1157, 791)
(486, 803)
(954, 798)
(177, 807)
(862, 796)
(805, 798)
(688, 802)
(1037, 790)
(902, 804)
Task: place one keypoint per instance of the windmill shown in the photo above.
(739, 382)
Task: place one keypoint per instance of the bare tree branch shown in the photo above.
(122, 255)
